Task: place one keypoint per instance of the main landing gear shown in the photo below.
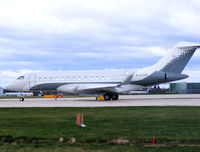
(109, 96)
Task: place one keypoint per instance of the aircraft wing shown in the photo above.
(77, 88)
(95, 86)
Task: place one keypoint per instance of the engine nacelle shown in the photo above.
(159, 77)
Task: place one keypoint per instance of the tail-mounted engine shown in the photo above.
(158, 77)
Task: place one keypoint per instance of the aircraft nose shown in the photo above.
(10, 86)
(15, 86)
(7, 87)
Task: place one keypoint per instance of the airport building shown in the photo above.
(185, 88)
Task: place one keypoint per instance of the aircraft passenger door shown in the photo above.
(32, 81)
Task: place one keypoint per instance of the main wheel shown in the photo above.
(21, 99)
(107, 96)
(115, 96)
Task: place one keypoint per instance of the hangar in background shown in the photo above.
(185, 88)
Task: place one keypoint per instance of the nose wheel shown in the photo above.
(21, 99)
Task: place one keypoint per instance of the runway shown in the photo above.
(124, 100)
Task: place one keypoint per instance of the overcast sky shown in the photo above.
(46, 35)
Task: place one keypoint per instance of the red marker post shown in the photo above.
(79, 120)
(153, 140)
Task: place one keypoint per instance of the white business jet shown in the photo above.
(109, 83)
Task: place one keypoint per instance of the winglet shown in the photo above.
(128, 79)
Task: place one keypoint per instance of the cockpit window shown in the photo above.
(20, 78)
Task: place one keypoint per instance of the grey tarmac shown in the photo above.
(124, 100)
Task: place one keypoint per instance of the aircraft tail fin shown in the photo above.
(176, 60)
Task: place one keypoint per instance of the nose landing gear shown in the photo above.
(21, 98)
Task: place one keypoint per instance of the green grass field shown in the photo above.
(108, 129)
